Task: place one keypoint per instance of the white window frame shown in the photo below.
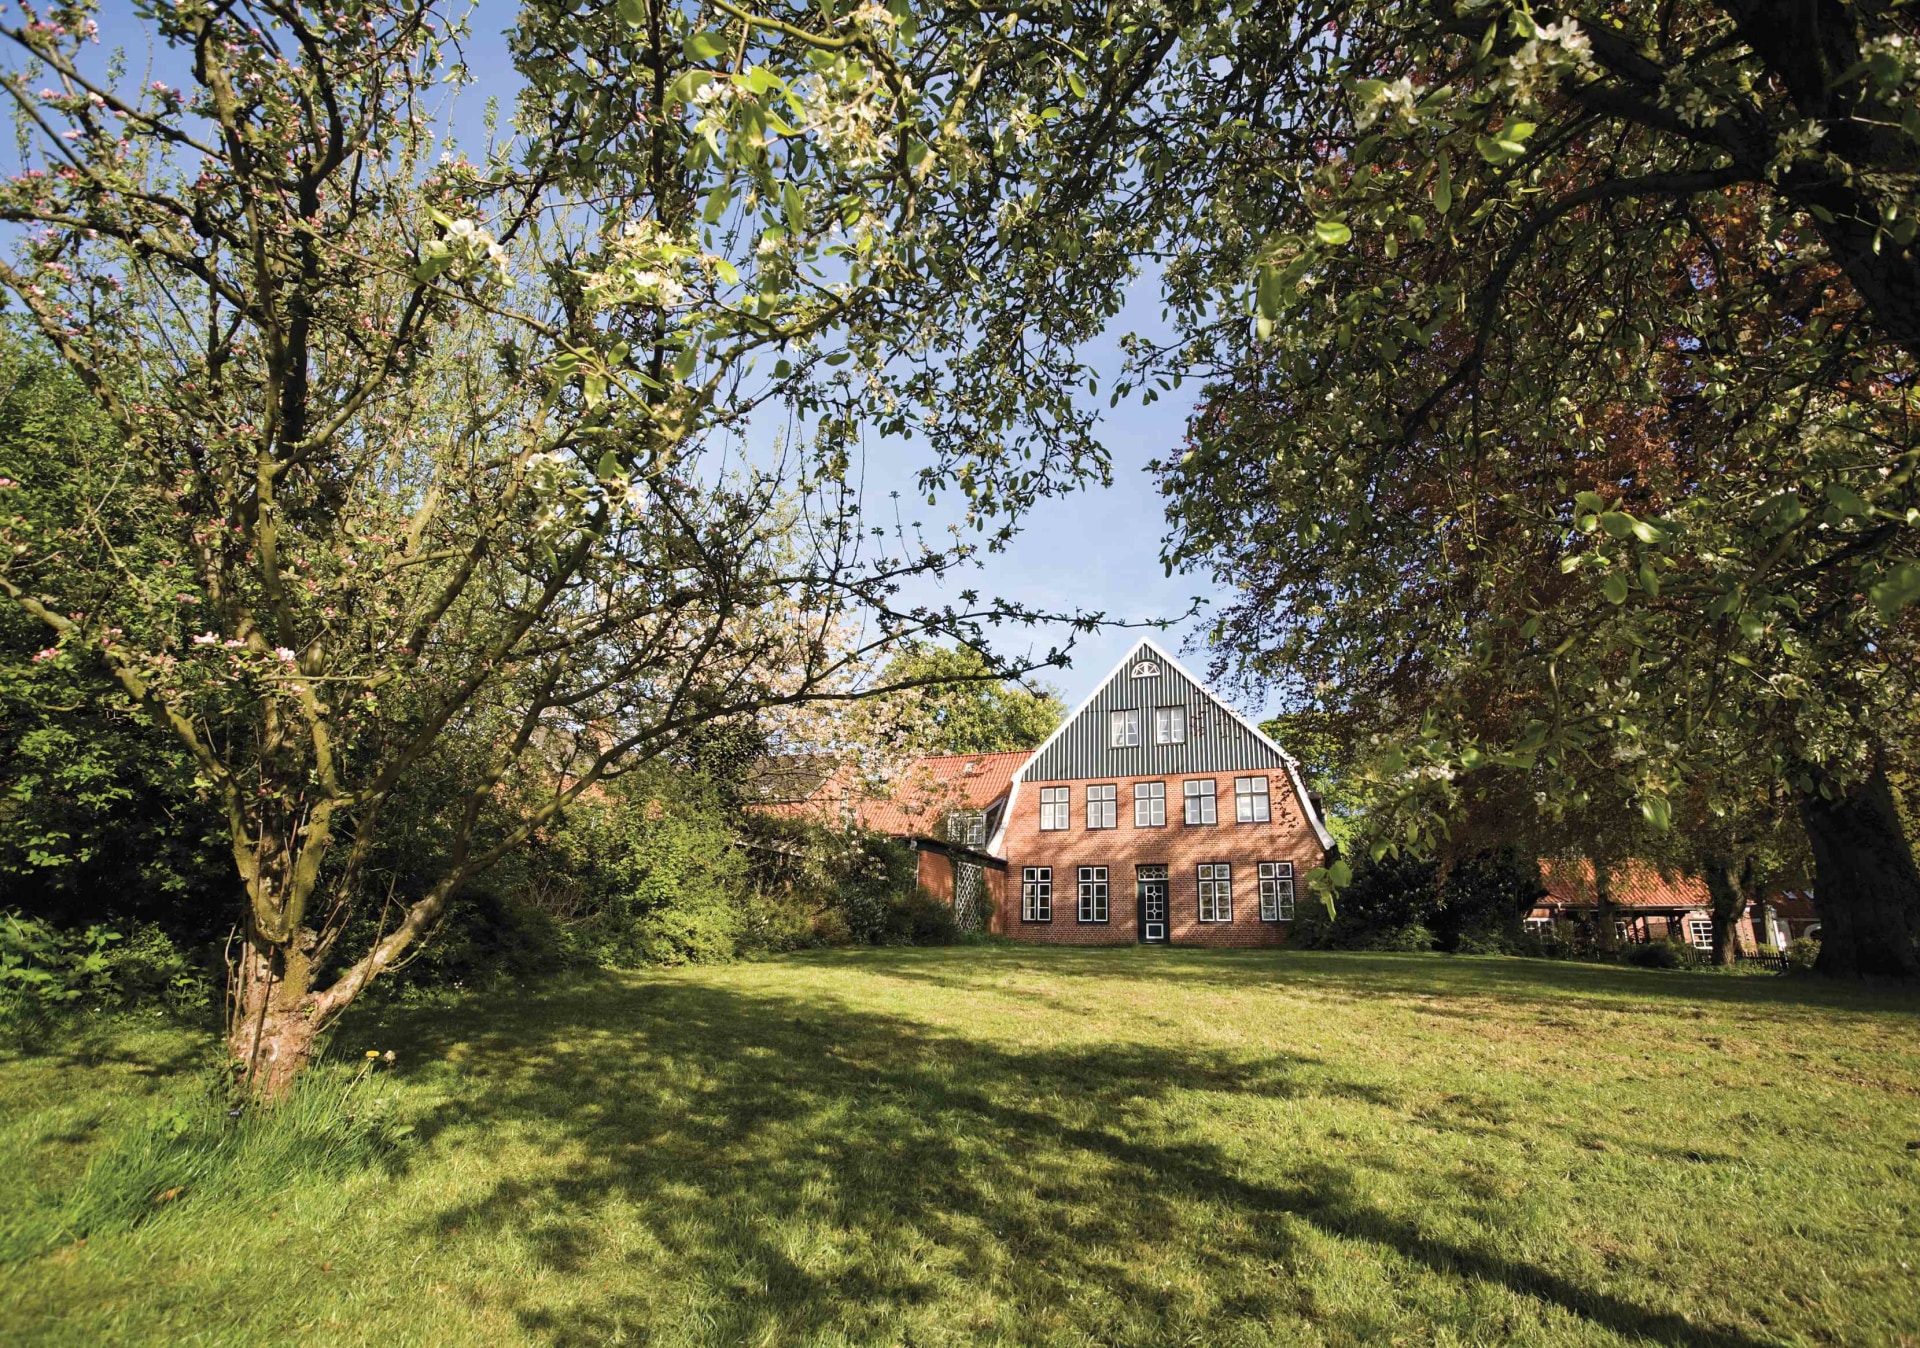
(1036, 894)
(1540, 926)
(1252, 800)
(1276, 891)
(1216, 891)
(1148, 802)
(1700, 933)
(1093, 891)
(1123, 728)
(1103, 809)
(1199, 797)
(1056, 808)
(1169, 725)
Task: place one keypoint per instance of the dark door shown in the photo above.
(1151, 904)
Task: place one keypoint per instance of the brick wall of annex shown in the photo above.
(1178, 846)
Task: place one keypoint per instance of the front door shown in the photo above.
(1151, 903)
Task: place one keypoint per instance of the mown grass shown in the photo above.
(958, 1146)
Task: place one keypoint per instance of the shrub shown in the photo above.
(1665, 954)
(1803, 954)
(920, 918)
(1412, 937)
(48, 971)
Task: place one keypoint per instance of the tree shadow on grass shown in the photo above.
(1598, 987)
(800, 1170)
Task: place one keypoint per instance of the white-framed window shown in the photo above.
(1123, 728)
(1103, 806)
(1700, 933)
(1540, 926)
(1198, 802)
(1149, 804)
(1251, 804)
(1276, 891)
(1216, 891)
(1169, 725)
(1093, 893)
(1055, 806)
(1036, 894)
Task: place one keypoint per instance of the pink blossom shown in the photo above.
(47, 653)
(206, 639)
(284, 654)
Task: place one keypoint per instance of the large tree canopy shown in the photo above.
(437, 461)
(1559, 414)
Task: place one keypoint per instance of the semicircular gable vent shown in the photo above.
(1146, 669)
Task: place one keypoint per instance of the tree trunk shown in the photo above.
(1865, 884)
(1728, 904)
(274, 1023)
(1605, 938)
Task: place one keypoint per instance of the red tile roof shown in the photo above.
(918, 802)
(1636, 884)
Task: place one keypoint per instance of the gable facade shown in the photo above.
(1156, 813)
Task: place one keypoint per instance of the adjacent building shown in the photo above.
(1652, 904)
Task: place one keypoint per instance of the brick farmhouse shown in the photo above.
(1154, 813)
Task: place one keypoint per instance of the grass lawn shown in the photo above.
(1027, 1146)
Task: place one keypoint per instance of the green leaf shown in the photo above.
(1332, 233)
(793, 207)
(705, 46)
(717, 202)
(1752, 626)
(1442, 183)
(684, 363)
(1589, 502)
(1846, 500)
(1648, 581)
(1617, 523)
(633, 13)
(1658, 811)
(1340, 873)
(608, 468)
(1900, 588)
(1614, 587)
(726, 271)
(1075, 83)
(837, 358)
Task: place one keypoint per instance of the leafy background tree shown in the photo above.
(966, 707)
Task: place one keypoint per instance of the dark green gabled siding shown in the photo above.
(1216, 741)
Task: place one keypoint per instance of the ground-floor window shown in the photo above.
(1036, 894)
(1540, 926)
(1700, 933)
(1276, 891)
(1216, 891)
(1093, 893)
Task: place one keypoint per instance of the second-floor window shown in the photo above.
(1054, 806)
(1149, 804)
(1250, 802)
(1124, 728)
(1103, 806)
(1169, 725)
(1200, 804)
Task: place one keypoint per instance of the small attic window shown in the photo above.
(1146, 669)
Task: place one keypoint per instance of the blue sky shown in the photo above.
(1095, 550)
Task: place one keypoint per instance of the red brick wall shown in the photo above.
(1177, 846)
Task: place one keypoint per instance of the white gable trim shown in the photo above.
(997, 843)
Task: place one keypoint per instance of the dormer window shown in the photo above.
(1124, 728)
